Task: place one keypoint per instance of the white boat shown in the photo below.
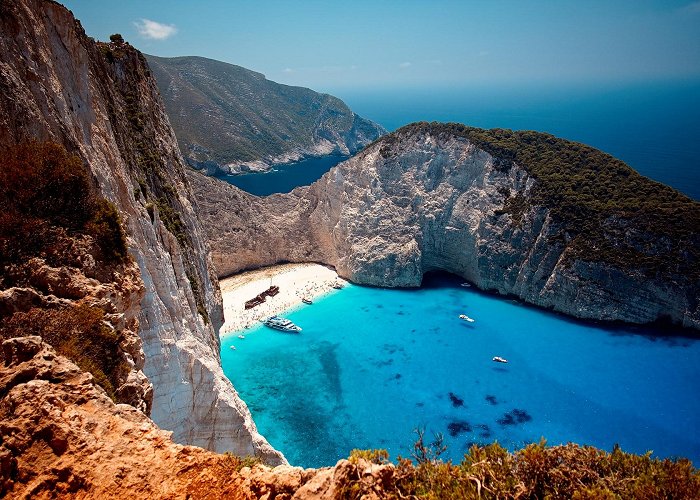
(233, 347)
(282, 324)
(499, 359)
(337, 285)
(466, 285)
(466, 318)
(307, 301)
(241, 336)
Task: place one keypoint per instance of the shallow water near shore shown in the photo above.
(373, 364)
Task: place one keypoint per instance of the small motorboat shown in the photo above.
(466, 285)
(233, 347)
(499, 359)
(241, 336)
(337, 285)
(466, 318)
(307, 301)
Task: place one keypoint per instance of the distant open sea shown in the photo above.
(655, 128)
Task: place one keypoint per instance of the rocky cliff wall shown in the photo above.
(101, 102)
(423, 199)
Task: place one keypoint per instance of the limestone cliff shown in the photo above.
(230, 119)
(433, 197)
(101, 102)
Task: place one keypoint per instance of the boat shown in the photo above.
(233, 347)
(337, 286)
(282, 324)
(241, 336)
(466, 318)
(499, 359)
(307, 301)
(260, 298)
(466, 285)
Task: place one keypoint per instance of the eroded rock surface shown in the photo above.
(101, 102)
(62, 436)
(425, 199)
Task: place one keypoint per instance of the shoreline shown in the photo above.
(295, 281)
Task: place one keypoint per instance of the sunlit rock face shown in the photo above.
(424, 199)
(101, 102)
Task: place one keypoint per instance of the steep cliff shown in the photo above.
(511, 212)
(228, 118)
(101, 102)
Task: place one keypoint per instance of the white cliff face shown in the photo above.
(101, 103)
(425, 202)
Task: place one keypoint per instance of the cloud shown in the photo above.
(154, 30)
(404, 65)
(287, 70)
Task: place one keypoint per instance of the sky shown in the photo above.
(331, 45)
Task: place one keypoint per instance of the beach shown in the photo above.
(295, 282)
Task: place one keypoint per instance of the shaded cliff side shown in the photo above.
(230, 119)
(555, 223)
(101, 102)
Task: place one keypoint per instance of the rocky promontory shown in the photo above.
(229, 119)
(552, 222)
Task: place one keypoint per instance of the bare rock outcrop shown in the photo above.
(62, 436)
(101, 102)
(428, 198)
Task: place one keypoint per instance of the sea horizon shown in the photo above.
(651, 126)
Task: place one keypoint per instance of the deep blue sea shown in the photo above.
(654, 127)
(284, 178)
(371, 365)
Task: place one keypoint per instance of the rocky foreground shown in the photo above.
(554, 223)
(62, 436)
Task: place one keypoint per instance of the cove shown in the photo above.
(373, 364)
(283, 178)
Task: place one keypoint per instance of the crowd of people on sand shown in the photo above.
(294, 284)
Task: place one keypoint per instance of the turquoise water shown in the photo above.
(373, 364)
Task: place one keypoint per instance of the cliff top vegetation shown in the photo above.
(536, 471)
(50, 212)
(225, 113)
(606, 210)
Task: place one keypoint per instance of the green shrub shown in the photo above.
(45, 193)
(78, 333)
(105, 226)
(374, 456)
